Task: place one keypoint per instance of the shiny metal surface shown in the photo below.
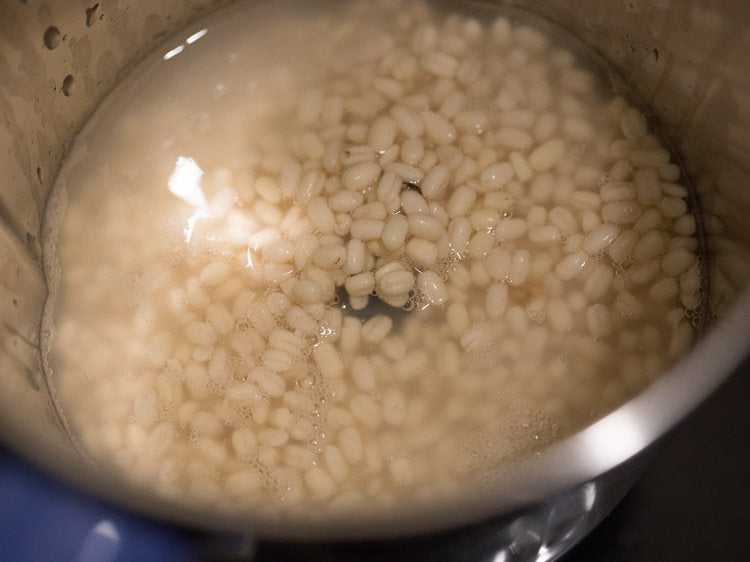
(689, 64)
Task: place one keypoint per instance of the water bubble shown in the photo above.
(306, 382)
(537, 316)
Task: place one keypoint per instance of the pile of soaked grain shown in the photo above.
(447, 245)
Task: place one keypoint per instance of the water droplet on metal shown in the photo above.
(52, 37)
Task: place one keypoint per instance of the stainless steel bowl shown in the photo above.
(688, 62)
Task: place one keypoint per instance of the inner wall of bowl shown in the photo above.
(58, 59)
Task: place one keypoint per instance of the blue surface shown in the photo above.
(41, 519)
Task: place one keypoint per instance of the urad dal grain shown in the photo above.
(417, 248)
